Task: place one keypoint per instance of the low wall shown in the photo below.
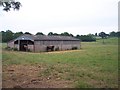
(42, 48)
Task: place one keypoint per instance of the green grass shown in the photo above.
(95, 65)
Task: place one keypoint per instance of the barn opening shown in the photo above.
(50, 48)
(23, 44)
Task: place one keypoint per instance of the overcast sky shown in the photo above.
(73, 16)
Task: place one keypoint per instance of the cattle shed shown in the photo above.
(40, 43)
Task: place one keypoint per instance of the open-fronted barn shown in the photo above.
(38, 43)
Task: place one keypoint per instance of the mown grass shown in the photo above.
(94, 65)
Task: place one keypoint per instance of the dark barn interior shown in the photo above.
(50, 48)
(24, 44)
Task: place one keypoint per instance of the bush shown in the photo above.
(15, 49)
(8, 48)
(11, 49)
(86, 38)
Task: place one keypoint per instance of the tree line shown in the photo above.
(9, 35)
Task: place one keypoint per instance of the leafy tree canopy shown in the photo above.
(102, 34)
(66, 34)
(113, 34)
(27, 33)
(9, 35)
(39, 33)
(17, 34)
(8, 4)
(50, 33)
(86, 38)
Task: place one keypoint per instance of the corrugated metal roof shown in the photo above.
(45, 37)
(25, 37)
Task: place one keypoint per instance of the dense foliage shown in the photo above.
(86, 38)
(10, 4)
(9, 35)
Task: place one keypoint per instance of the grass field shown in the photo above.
(95, 65)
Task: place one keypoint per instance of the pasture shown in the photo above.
(95, 65)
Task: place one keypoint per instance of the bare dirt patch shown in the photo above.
(27, 76)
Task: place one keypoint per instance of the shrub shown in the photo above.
(86, 38)
(8, 48)
(15, 49)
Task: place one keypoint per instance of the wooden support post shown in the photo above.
(18, 45)
(80, 45)
(34, 46)
(27, 46)
(14, 44)
(61, 45)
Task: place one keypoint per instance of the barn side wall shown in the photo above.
(16, 46)
(62, 45)
(31, 47)
(40, 46)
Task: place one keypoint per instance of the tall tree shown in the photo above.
(50, 34)
(71, 35)
(7, 36)
(28, 33)
(55, 34)
(103, 35)
(77, 36)
(17, 34)
(118, 34)
(39, 33)
(65, 34)
(95, 34)
(3, 36)
(113, 34)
